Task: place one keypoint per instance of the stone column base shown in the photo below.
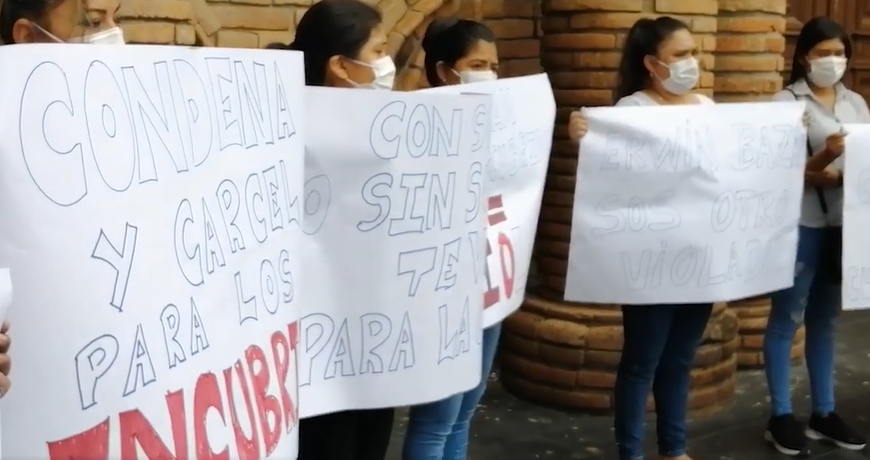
(752, 320)
(566, 356)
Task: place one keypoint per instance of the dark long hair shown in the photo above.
(333, 28)
(815, 31)
(13, 10)
(448, 40)
(644, 39)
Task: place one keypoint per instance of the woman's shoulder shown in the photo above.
(641, 98)
(703, 99)
(638, 98)
(852, 96)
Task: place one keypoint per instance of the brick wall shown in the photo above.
(256, 23)
(749, 49)
(517, 25)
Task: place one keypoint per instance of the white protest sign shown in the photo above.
(392, 315)
(856, 218)
(524, 113)
(686, 204)
(150, 202)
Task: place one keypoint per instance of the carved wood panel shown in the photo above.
(855, 17)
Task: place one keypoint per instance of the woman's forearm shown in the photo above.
(820, 160)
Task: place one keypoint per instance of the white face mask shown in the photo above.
(113, 36)
(474, 76)
(684, 76)
(384, 71)
(827, 71)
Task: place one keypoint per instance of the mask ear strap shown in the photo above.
(47, 33)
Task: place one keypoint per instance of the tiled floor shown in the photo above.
(506, 428)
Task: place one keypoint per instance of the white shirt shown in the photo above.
(641, 98)
(849, 107)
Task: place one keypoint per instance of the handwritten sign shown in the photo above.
(856, 218)
(394, 316)
(687, 204)
(524, 113)
(150, 201)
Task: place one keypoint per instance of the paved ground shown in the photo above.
(506, 428)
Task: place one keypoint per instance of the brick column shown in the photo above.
(565, 354)
(516, 25)
(749, 47)
(749, 64)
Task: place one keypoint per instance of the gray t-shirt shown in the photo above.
(849, 107)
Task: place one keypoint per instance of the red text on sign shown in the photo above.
(271, 416)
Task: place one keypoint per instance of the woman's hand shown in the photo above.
(577, 126)
(5, 359)
(835, 144)
(828, 177)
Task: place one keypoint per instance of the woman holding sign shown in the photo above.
(62, 21)
(658, 67)
(821, 56)
(345, 45)
(457, 52)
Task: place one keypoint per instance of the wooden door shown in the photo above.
(855, 17)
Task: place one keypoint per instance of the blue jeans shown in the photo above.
(816, 303)
(660, 344)
(439, 430)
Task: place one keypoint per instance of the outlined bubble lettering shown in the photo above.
(255, 201)
(247, 304)
(475, 191)
(376, 330)
(120, 261)
(277, 195)
(140, 372)
(247, 446)
(226, 95)
(230, 200)
(45, 105)
(193, 99)
(159, 143)
(93, 361)
(288, 289)
(376, 193)
(257, 126)
(340, 359)
(109, 127)
(403, 353)
(284, 124)
(268, 407)
(455, 332)
(170, 319)
(441, 198)
(317, 330)
(283, 347)
(449, 265)
(421, 131)
(198, 336)
(414, 265)
(310, 211)
(188, 255)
